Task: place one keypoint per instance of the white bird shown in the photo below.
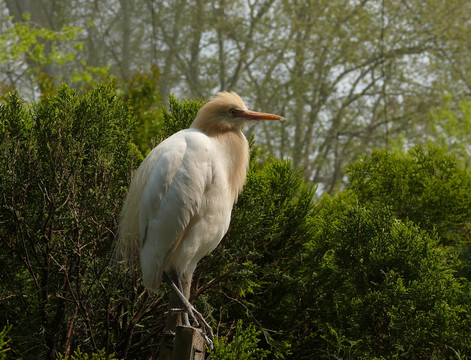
(179, 203)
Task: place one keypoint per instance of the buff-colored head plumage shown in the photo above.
(225, 98)
(217, 115)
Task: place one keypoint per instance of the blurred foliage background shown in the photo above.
(351, 238)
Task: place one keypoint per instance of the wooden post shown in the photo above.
(166, 346)
(187, 344)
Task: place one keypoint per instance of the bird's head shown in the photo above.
(227, 112)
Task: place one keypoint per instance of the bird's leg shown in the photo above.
(184, 302)
(192, 312)
(185, 287)
(174, 318)
(207, 331)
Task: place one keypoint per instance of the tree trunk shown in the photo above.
(125, 39)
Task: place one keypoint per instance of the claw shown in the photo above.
(208, 332)
(209, 341)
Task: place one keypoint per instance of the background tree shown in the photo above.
(349, 75)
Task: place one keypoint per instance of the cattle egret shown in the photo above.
(179, 203)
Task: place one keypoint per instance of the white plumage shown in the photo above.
(186, 204)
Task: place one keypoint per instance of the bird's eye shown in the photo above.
(233, 112)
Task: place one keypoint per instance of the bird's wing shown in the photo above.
(180, 173)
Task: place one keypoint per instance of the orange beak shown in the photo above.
(254, 115)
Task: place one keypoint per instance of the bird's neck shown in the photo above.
(236, 147)
(211, 127)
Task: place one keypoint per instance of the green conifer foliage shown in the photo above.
(425, 186)
(382, 287)
(64, 169)
(370, 273)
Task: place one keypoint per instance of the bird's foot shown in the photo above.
(198, 320)
(207, 332)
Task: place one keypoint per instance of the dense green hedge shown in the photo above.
(378, 271)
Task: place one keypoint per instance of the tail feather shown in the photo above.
(127, 247)
(152, 271)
